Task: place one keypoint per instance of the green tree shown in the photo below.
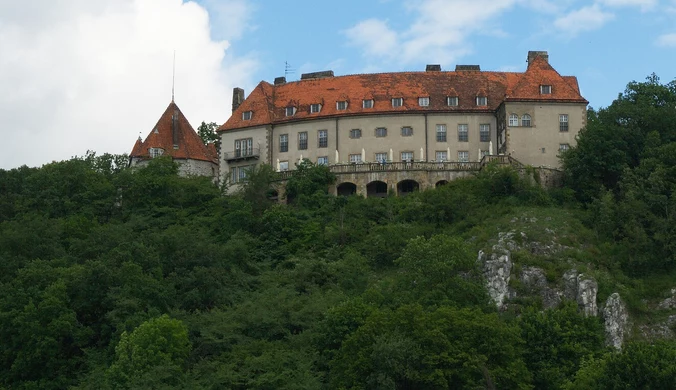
(307, 180)
(153, 353)
(207, 131)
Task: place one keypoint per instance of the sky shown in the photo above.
(79, 75)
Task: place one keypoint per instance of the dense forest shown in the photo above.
(120, 279)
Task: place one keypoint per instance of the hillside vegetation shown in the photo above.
(113, 279)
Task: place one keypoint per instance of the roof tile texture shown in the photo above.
(268, 102)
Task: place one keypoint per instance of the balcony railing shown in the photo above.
(243, 154)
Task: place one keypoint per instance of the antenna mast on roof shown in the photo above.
(173, 77)
(288, 69)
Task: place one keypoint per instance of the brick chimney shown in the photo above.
(237, 98)
(532, 55)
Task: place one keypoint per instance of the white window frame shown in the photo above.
(155, 152)
(283, 143)
(302, 140)
(452, 101)
(290, 111)
(243, 147)
(463, 132)
(424, 101)
(315, 108)
(323, 160)
(564, 147)
(341, 105)
(463, 156)
(482, 101)
(247, 115)
(484, 132)
(441, 155)
(283, 166)
(513, 120)
(526, 120)
(406, 156)
(563, 123)
(442, 133)
(545, 89)
(355, 133)
(355, 158)
(381, 156)
(325, 138)
(367, 103)
(381, 132)
(397, 102)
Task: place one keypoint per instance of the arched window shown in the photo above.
(513, 120)
(525, 120)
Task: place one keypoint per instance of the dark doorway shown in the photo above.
(376, 189)
(346, 189)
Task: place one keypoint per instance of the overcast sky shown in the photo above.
(78, 75)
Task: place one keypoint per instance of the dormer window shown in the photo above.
(341, 105)
(290, 111)
(424, 101)
(315, 108)
(246, 115)
(156, 152)
(397, 102)
(367, 103)
(545, 89)
(452, 101)
(481, 101)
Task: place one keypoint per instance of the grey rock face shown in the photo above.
(615, 317)
(586, 295)
(535, 281)
(669, 303)
(498, 268)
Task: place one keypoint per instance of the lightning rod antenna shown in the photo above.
(173, 77)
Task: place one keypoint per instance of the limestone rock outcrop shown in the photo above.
(616, 320)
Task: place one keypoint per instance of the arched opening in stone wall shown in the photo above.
(405, 187)
(441, 183)
(272, 195)
(377, 189)
(346, 189)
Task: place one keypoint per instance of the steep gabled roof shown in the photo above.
(174, 134)
(268, 102)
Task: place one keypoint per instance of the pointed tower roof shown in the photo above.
(174, 134)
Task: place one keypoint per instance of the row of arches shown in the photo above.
(379, 189)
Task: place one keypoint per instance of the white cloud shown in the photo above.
(80, 74)
(439, 31)
(667, 40)
(584, 19)
(643, 4)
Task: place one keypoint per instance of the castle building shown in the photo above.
(174, 136)
(425, 122)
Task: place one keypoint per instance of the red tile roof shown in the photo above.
(190, 145)
(268, 102)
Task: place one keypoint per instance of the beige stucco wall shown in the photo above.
(526, 144)
(228, 138)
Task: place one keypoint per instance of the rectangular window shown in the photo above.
(238, 174)
(381, 132)
(563, 147)
(244, 147)
(452, 101)
(323, 137)
(463, 156)
(481, 101)
(485, 133)
(283, 143)
(355, 133)
(246, 115)
(397, 102)
(563, 122)
(441, 133)
(463, 133)
(406, 156)
(406, 131)
(368, 103)
(381, 157)
(355, 158)
(314, 108)
(324, 160)
(441, 156)
(545, 89)
(283, 166)
(341, 105)
(423, 101)
(156, 152)
(302, 140)
(290, 111)
(525, 120)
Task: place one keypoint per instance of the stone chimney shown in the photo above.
(467, 68)
(433, 68)
(532, 55)
(237, 98)
(280, 80)
(316, 75)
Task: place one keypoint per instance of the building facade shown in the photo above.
(413, 117)
(174, 136)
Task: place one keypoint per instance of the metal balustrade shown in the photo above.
(242, 154)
